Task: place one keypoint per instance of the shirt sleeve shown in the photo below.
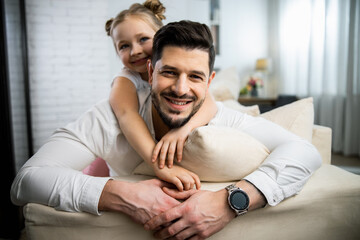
(53, 175)
(291, 161)
(126, 73)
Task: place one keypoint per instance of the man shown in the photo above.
(180, 73)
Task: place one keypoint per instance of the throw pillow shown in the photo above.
(225, 85)
(211, 149)
(297, 117)
(250, 110)
(218, 154)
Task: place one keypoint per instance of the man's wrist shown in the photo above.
(110, 199)
(257, 199)
(223, 195)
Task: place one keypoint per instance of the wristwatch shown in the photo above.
(238, 199)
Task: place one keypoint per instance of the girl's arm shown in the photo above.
(173, 142)
(125, 104)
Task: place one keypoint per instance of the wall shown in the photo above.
(72, 61)
(68, 61)
(243, 30)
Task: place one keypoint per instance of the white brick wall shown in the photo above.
(68, 61)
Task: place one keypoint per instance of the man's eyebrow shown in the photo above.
(167, 67)
(199, 73)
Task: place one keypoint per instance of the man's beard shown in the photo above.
(171, 123)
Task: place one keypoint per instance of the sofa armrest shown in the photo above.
(321, 139)
(316, 208)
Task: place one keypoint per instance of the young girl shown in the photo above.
(132, 32)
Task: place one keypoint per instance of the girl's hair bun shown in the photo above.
(108, 26)
(156, 7)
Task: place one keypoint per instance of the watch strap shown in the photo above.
(231, 188)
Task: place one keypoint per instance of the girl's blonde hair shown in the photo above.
(151, 11)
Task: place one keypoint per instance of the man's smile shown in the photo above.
(178, 103)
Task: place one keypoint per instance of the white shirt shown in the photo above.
(134, 77)
(53, 175)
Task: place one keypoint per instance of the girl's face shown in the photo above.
(133, 40)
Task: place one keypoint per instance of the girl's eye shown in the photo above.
(144, 39)
(123, 46)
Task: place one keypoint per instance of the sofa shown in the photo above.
(328, 207)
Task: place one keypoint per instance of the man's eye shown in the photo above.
(168, 73)
(196, 77)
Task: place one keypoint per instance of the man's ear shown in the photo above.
(150, 70)
(211, 78)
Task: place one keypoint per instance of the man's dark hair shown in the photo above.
(185, 34)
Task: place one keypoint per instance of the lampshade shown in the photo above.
(263, 64)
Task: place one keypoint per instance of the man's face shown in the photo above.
(179, 80)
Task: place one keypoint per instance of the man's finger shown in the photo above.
(161, 183)
(185, 233)
(172, 230)
(196, 237)
(163, 218)
(179, 195)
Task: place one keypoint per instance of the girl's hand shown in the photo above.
(180, 177)
(171, 143)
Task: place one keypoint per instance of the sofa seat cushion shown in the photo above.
(328, 207)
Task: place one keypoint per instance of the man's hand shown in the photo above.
(200, 216)
(141, 201)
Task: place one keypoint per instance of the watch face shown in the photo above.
(239, 200)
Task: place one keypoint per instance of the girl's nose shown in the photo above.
(136, 49)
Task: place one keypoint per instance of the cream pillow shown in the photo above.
(225, 85)
(219, 154)
(250, 110)
(297, 117)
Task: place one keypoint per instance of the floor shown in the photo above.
(351, 164)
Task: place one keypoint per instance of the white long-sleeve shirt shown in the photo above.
(53, 175)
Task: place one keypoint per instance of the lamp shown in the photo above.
(264, 66)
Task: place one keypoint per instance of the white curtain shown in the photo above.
(316, 48)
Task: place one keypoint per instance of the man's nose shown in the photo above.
(182, 85)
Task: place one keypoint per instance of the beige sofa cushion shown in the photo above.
(328, 207)
(220, 154)
(322, 141)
